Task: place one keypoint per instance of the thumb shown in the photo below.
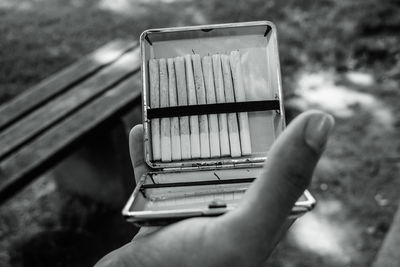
(136, 151)
(286, 174)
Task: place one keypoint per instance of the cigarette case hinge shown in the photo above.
(214, 167)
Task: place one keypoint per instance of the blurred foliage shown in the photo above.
(42, 37)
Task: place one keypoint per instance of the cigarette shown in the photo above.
(240, 96)
(211, 99)
(173, 101)
(194, 120)
(165, 122)
(155, 103)
(182, 101)
(220, 95)
(201, 99)
(233, 128)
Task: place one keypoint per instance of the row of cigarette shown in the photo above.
(191, 80)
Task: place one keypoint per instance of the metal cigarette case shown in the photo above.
(176, 190)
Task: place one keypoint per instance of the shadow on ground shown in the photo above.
(52, 227)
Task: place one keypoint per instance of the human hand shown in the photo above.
(247, 235)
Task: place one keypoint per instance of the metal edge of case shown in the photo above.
(146, 218)
(210, 26)
(144, 101)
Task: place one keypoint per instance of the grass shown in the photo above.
(349, 48)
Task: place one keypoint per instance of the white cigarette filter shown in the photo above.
(201, 99)
(240, 96)
(211, 99)
(220, 97)
(155, 103)
(194, 120)
(179, 64)
(173, 101)
(165, 122)
(233, 128)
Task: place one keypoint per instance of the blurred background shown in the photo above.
(339, 56)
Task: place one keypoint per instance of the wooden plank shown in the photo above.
(58, 83)
(43, 152)
(50, 113)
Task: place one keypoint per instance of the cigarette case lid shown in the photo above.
(256, 43)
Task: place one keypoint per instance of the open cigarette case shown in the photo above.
(212, 107)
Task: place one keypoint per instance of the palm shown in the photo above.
(184, 243)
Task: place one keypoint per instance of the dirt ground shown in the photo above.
(339, 56)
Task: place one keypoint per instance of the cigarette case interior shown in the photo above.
(207, 181)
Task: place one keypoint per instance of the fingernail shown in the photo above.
(317, 131)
